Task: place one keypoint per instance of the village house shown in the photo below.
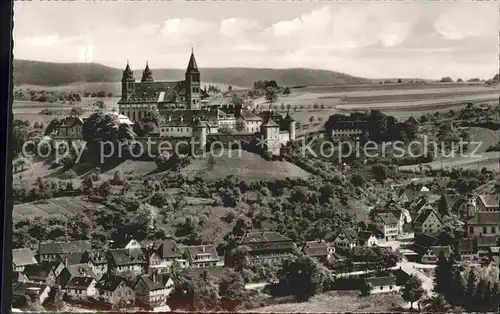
(73, 271)
(201, 256)
(346, 239)
(388, 224)
(40, 273)
(124, 260)
(97, 261)
(113, 289)
(367, 238)
(488, 203)
(70, 127)
(318, 249)
(381, 284)
(484, 223)
(432, 255)
(36, 292)
(18, 276)
(428, 222)
(267, 246)
(81, 288)
(133, 244)
(54, 251)
(467, 249)
(439, 184)
(484, 243)
(21, 258)
(153, 290)
(494, 254)
(163, 253)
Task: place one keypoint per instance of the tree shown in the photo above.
(446, 79)
(303, 277)
(231, 289)
(400, 81)
(443, 206)
(442, 274)
(286, 91)
(380, 171)
(76, 111)
(311, 119)
(412, 290)
(229, 88)
(271, 95)
(240, 125)
(436, 303)
(471, 289)
(459, 80)
(105, 189)
(366, 288)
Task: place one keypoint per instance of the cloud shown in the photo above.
(358, 38)
(234, 27)
(469, 20)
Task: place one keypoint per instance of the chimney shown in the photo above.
(182, 118)
(203, 248)
(154, 276)
(65, 261)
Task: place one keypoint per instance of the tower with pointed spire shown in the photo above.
(147, 75)
(192, 81)
(128, 82)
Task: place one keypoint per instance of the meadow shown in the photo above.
(338, 302)
(245, 165)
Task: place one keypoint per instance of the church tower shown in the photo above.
(193, 90)
(147, 75)
(128, 82)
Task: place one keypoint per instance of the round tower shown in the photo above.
(200, 134)
(290, 123)
(270, 136)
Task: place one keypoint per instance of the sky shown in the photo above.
(373, 40)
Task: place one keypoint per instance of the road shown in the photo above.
(408, 267)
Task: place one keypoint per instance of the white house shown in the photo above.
(381, 284)
(431, 256)
(81, 288)
(153, 290)
(21, 258)
(346, 239)
(428, 222)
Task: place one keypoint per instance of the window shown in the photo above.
(390, 287)
(471, 229)
(381, 288)
(485, 230)
(493, 230)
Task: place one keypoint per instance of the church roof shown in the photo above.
(270, 123)
(192, 66)
(156, 92)
(147, 75)
(288, 117)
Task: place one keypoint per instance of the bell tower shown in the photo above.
(128, 82)
(193, 90)
(147, 75)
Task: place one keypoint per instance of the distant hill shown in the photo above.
(54, 74)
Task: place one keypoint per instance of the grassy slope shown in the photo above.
(64, 206)
(246, 165)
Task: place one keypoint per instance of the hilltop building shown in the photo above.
(184, 114)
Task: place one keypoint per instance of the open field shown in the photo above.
(62, 206)
(339, 301)
(340, 88)
(247, 165)
(488, 160)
